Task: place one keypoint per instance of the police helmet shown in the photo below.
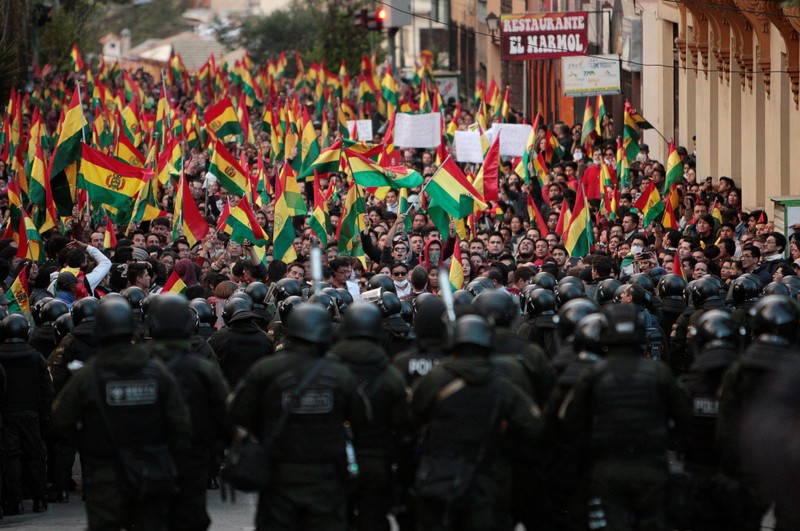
(545, 280)
(382, 281)
(420, 299)
(3, 313)
(429, 317)
(671, 287)
(588, 333)
(793, 283)
(775, 315)
(333, 293)
(170, 317)
(84, 310)
(286, 306)
(36, 310)
(326, 301)
(407, 312)
(541, 301)
(62, 326)
(746, 288)
(523, 296)
(607, 291)
(472, 330)
(462, 297)
(572, 312)
(309, 322)
(715, 325)
(626, 326)
(146, 302)
(389, 304)
(643, 280)
(568, 292)
(257, 292)
(704, 289)
(15, 329)
(497, 306)
(362, 320)
(245, 297)
(346, 296)
(287, 287)
(479, 285)
(236, 307)
(204, 311)
(53, 309)
(114, 318)
(134, 295)
(776, 288)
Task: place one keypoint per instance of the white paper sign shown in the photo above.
(363, 128)
(513, 140)
(468, 146)
(418, 130)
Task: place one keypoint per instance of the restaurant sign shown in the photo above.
(543, 35)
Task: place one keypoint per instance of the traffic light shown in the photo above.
(372, 21)
(361, 19)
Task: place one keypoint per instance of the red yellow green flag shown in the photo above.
(18, 293)
(174, 284)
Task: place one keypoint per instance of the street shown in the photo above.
(72, 516)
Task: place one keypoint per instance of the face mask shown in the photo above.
(641, 157)
(597, 162)
(434, 257)
(401, 285)
(577, 154)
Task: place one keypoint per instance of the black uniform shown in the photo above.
(543, 331)
(383, 388)
(43, 339)
(238, 346)
(25, 411)
(308, 478)
(145, 409)
(399, 336)
(204, 390)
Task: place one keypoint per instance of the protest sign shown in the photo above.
(468, 146)
(418, 130)
(513, 140)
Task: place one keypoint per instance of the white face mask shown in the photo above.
(577, 154)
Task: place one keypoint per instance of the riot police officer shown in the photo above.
(705, 295)
(717, 338)
(670, 290)
(43, 337)
(399, 336)
(774, 347)
(171, 322)
(623, 408)
(384, 391)
(205, 317)
(569, 316)
(241, 342)
(462, 403)
(429, 347)
(25, 408)
(541, 326)
(308, 478)
(121, 403)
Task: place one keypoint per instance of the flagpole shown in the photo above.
(80, 104)
(425, 184)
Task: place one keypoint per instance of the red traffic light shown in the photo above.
(381, 14)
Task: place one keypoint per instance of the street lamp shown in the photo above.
(493, 23)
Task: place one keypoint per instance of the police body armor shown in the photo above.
(544, 332)
(244, 347)
(376, 435)
(43, 339)
(629, 414)
(185, 368)
(21, 364)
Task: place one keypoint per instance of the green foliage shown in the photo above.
(57, 37)
(156, 20)
(317, 29)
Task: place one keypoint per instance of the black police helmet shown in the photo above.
(472, 330)
(134, 295)
(287, 287)
(15, 329)
(170, 317)
(568, 292)
(257, 292)
(572, 312)
(245, 297)
(286, 306)
(53, 309)
(704, 289)
(746, 288)
(429, 317)
(36, 310)
(715, 325)
(523, 296)
(643, 280)
(607, 291)
(346, 296)
(407, 312)
(541, 301)
(389, 304)
(568, 280)
(462, 297)
(84, 310)
(382, 281)
(588, 333)
(235, 307)
(626, 326)
(204, 312)
(311, 323)
(114, 318)
(333, 293)
(776, 288)
(671, 286)
(325, 301)
(497, 306)
(545, 280)
(62, 326)
(479, 285)
(777, 316)
(146, 302)
(362, 320)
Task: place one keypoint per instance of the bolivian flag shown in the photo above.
(187, 215)
(450, 190)
(227, 170)
(320, 220)
(241, 224)
(109, 182)
(326, 162)
(649, 204)
(579, 237)
(18, 293)
(174, 285)
(63, 167)
(221, 119)
(368, 173)
(456, 275)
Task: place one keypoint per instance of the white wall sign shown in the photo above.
(589, 76)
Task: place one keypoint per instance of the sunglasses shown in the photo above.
(400, 249)
(399, 273)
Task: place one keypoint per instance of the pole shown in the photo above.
(83, 118)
